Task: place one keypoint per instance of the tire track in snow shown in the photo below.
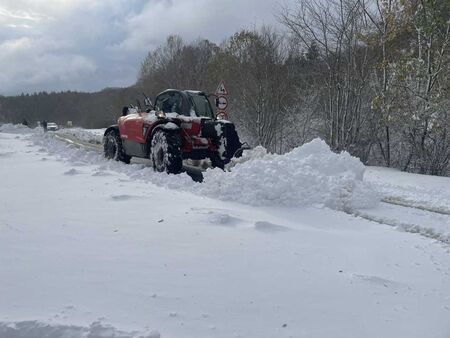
(438, 224)
(404, 203)
(79, 143)
(194, 172)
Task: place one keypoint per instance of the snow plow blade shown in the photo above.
(240, 151)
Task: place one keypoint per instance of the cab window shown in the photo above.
(169, 103)
(201, 105)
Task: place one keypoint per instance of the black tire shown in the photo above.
(113, 149)
(165, 152)
(217, 162)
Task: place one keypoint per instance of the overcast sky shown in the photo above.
(87, 45)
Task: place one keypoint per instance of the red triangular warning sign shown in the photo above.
(221, 90)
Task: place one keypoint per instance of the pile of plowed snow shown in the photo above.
(308, 175)
(28, 329)
(15, 128)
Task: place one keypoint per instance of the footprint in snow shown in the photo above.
(378, 281)
(268, 227)
(124, 197)
(224, 220)
(220, 217)
(78, 164)
(153, 334)
(208, 211)
(4, 225)
(72, 172)
(101, 173)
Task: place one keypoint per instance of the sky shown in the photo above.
(87, 45)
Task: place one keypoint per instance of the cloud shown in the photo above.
(192, 19)
(91, 44)
(57, 45)
(30, 62)
(23, 16)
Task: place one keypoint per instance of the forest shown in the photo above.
(371, 77)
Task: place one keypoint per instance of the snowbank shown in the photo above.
(80, 156)
(15, 129)
(310, 174)
(27, 329)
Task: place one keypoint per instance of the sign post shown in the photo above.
(221, 100)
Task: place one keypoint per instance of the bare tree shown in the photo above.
(334, 28)
(256, 60)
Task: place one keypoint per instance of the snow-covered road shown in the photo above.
(89, 248)
(411, 202)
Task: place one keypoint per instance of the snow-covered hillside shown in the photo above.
(300, 245)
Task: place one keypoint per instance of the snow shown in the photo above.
(29, 329)
(223, 141)
(96, 248)
(311, 174)
(150, 117)
(170, 126)
(423, 191)
(14, 128)
(411, 202)
(403, 195)
(94, 136)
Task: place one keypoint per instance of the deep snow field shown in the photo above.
(307, 244)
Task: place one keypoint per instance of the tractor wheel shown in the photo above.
(217, 162)
(112, 147)
(166, 152)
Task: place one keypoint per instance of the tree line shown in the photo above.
(371, 77)
(89, 110)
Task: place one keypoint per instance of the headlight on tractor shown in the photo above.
(221, 116)
(160, 114)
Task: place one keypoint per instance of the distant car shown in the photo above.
(52, 126)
